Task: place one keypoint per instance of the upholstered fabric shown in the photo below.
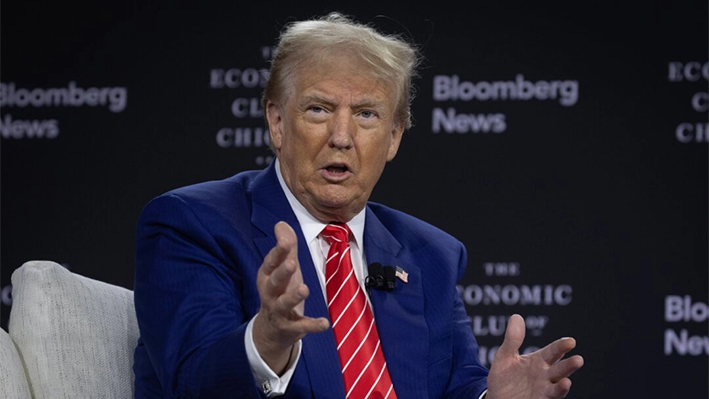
(75, 335)
(13, 383)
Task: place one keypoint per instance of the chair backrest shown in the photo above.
(75, 335)
(13, 382)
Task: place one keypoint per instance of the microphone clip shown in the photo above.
(381, 277)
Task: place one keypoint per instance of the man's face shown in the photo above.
(333, 133)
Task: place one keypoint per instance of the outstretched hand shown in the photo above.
(280, 322)
(538, 375)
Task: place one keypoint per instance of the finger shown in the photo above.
(557, 349)
(565, 368)
(286, 235)
(514, 336)
(290, 299)
(279, 280)
(308, 325)
(274, 335)
(560, 389)
(286, 242)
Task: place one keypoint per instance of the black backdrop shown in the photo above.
(581, 192)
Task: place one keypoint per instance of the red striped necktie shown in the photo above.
(364, 369)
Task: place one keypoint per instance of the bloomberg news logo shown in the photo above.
(451, 88)
(11, 96)
(690, 314)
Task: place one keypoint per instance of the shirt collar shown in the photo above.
(312, 227)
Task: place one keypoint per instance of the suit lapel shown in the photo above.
(319, 353)
(399, 313)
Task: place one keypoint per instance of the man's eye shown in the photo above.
(316, 109)
(367, 114)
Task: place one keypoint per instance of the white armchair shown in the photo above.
(13, 381)
(74, 336)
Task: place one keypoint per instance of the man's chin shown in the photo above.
(335, 209)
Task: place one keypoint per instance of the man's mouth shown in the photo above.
(336, 172)
(337, 169)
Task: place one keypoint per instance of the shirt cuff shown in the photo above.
(270, 384)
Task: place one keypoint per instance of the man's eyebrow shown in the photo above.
(364, 102)
(369, 102)
(316, 98)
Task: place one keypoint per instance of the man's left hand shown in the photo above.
(538, 375)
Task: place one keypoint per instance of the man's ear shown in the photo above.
(397, 132)
(275, 117)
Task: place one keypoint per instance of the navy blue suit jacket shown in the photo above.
(198, 252)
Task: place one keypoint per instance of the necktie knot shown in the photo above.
(336, 233)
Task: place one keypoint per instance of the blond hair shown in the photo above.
(391, 58)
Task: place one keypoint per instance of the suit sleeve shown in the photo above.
(468, 376)
(189, 305)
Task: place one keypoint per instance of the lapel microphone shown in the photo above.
(380, 277)
(389, 278)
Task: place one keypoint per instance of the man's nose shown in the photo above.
(342, 130)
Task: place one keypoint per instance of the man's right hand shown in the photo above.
(280, 322)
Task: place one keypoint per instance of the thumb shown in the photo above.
(514, 336)
(285, 234)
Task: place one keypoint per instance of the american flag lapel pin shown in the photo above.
(402, 274)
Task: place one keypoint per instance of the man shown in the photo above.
(255, 285)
